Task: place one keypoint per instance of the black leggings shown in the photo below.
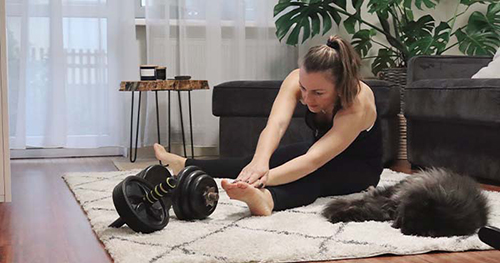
(341, 175)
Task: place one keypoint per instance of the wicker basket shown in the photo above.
(398, 76)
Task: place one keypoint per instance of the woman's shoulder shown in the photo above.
(291, 82)
(365, 92)
(363, 105)
(364, 98)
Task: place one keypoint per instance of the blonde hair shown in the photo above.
(341, 62)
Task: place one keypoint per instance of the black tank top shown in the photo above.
(368, 144)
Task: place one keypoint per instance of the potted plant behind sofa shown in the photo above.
(406, 34)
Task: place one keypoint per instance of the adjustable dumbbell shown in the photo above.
(144, 206)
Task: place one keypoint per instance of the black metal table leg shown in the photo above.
(132, 159)
(191, 125)
(169, 126)
(157, 120)
(182, 123)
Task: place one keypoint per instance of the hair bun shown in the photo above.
(333, 43)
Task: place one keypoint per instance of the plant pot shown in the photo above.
(397, 76)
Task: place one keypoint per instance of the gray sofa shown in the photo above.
(244, 106)
(453, 121)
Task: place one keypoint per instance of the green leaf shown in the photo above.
(471, 2)
(384, 59)
(327, 21)
(315, 23)
(278, 8)
(285, 22)
(477, 22)
(349, 24)
(340, 3)
(293, 38)
(295, 20)
(427, 3)
(441, 37)
(407, 4)
(493, 16)
(334, 13)
(361, 41)
(409, 14)
(306, 25)
(431, 44)
(422, 27)
(357, 4)
(381, 6)
(477, 43)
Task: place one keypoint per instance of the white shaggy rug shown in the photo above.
(230, 234)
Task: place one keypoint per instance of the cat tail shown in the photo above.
(368, 207)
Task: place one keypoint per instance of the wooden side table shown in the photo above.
(162, 85)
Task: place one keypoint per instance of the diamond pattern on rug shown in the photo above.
(231, 234)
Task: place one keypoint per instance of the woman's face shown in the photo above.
(317, 90)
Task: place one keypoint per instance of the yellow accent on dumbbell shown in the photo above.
(147, 197)
(161, 187)
(169, 184)
(156, 190)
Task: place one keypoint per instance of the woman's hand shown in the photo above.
(255, 173)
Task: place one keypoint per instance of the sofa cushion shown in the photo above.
(255, 98)
(490, 71)
(444, 67)
(454, 100)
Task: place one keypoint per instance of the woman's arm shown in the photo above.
(280, 116)
(347, 125)
(279, 119)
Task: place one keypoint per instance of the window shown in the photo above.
(195, 9)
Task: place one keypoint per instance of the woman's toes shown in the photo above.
(242, 185)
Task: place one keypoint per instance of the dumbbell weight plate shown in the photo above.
(198, 188)
(156, 174)
(180, 200)
(128, 200)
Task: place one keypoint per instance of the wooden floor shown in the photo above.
(44, 223)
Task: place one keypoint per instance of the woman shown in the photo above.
(345, 156)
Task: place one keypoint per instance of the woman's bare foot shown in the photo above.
(174, 161)
(259, 201)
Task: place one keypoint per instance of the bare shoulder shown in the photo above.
(363, 106)
(367, 98)
(291, 82)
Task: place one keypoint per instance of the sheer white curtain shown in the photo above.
(218, 41)
(66, 60)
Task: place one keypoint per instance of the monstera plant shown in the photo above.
(406, 34)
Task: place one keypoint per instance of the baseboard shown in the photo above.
(144, 152)
(148, 152)
(36, 153)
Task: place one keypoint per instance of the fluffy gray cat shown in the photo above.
(434, 202)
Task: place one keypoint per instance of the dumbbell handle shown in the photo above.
(160, 190)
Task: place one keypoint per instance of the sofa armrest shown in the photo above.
(386, 97)
(444, 67)
(458, 100)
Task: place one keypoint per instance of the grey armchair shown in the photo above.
(453, 121)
